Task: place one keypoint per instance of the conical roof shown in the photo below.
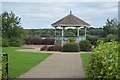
(70, 20)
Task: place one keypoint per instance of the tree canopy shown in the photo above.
(12, 32)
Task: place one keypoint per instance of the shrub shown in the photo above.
(5, 42)
(48, 41)
(85, 45)
(15, 42)
(34, 40)
(111, 37)
(39, 41)
(104, 61)
(44, 48)
(92, 39)
(72, 40)
(28, 41)
(71, 47)
(54, 48)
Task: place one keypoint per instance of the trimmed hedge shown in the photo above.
(85, 45)
(39, 41)
(104, 61)
(71, 47)
(48, 41)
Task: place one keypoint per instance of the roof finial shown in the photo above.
(70, 12)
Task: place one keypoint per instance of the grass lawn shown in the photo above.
(20, 62)
(85, 61)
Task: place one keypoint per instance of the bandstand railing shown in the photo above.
(65, 38)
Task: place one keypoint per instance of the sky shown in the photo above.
(43, 14)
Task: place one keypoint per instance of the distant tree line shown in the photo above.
(110, 31)
(14, 35)
(67, 32)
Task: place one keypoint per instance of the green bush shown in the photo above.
(72, 40)
(71, 47)
(4, 63)
(5, 42)
(104, 61)
(92, 38)
(111, 37)
(85, 45)
(16, 42)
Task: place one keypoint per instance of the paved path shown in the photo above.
(57, 66)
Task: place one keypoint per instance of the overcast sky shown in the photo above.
(43, 14)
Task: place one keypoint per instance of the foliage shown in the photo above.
(92, 39)
(33, 40)
(71, 40)
(111, 37)
(85, 45)
(0, 67)
(54, 48)
(111, 27)
(21, 62)
(15, 42)
(5, 42)
(48, 41)
(44, 48)
(12, 30)
(67, 32)
(4, 65)
(40, 41)
(95, 31)
(104, 61)
(71, 47)
(118, 32)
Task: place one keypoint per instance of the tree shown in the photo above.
(12, 32)
(111, 27)
(118, 32)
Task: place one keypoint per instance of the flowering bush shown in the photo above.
(104, 61)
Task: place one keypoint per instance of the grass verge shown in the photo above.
(85, 61)
(21, 62)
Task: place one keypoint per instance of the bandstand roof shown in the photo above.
(70, 21)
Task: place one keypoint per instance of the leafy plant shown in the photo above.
(48, 41)
(71, 47)
(44, 48)
(12, 30)
(93, 39)
(54, 48)
(85, 45)
(104, 61)
(72, 40)
(111, 37)
(5, 42)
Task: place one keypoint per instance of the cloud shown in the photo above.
(60, 1)
(43, 14)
